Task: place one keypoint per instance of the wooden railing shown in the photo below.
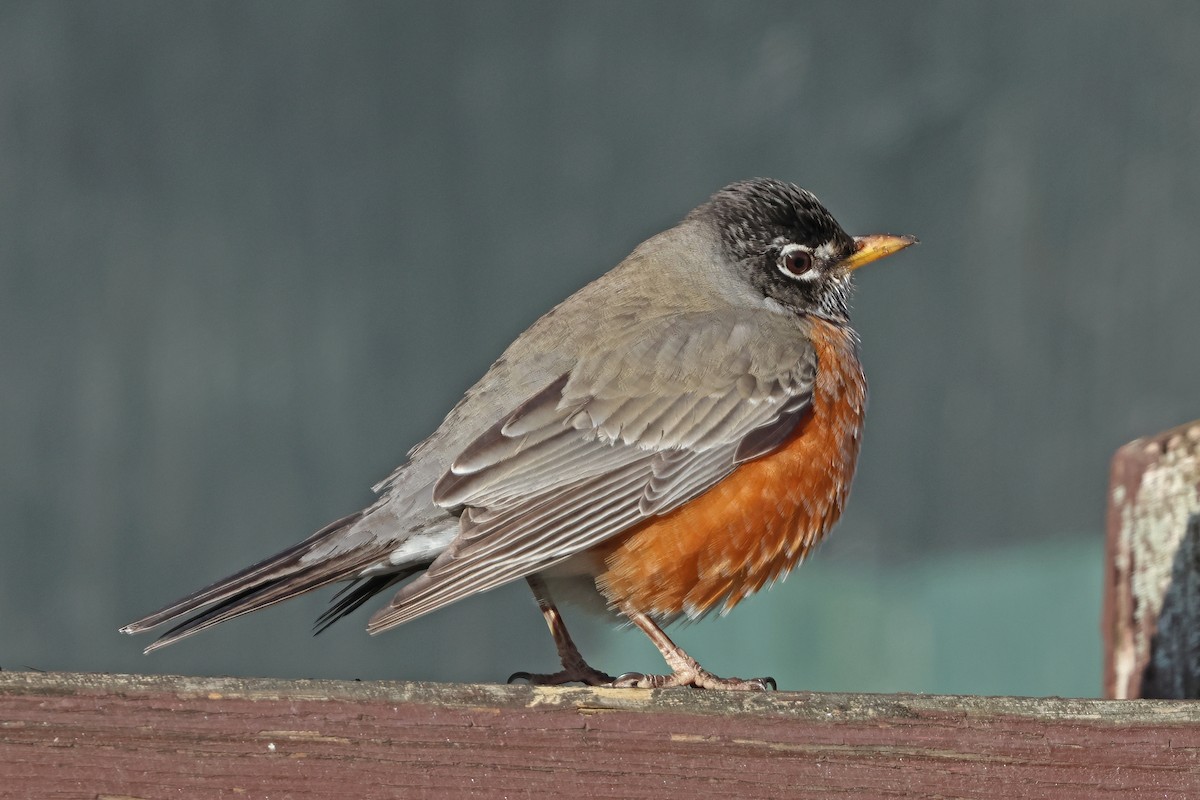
(122, 736)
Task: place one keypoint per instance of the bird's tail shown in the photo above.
(280, 577)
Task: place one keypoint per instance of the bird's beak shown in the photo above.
(876, 246)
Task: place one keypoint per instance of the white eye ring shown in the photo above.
(796, 262)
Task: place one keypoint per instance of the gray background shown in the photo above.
(250, 253)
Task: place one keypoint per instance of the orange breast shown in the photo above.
(759, 522)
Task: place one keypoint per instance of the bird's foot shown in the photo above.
(696, 679)
(582, 674)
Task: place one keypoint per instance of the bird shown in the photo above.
(668, 440)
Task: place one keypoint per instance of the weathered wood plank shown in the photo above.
(72, 735)
(1152, 586)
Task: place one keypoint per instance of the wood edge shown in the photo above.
(800, 706)
(1128, 464)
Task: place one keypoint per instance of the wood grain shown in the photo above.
(117, 736)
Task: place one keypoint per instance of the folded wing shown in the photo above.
(655, 419)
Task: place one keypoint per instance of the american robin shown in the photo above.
(666, 441)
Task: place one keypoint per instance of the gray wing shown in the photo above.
(656, 418)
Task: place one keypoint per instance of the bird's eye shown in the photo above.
(796, 262)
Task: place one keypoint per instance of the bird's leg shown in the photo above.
(686, 671)
(575, 669)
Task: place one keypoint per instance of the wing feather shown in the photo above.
(628, 433)
(501, 559)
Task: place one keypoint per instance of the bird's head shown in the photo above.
(790, 248)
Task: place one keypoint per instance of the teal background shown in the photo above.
(250, 253)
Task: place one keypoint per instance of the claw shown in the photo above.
(628, 680)
(585, 675)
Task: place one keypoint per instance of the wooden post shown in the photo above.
(119, 736)
(1152, 582)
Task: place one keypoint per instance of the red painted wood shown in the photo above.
(122, 736)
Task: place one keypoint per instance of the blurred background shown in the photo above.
(250, 253)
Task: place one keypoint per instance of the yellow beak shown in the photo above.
(876, 246)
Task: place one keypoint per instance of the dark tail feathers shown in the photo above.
(271, 581)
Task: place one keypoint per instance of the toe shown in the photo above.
(629, 680)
